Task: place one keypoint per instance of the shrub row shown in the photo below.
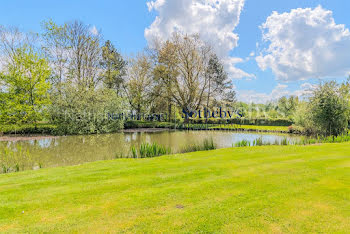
(27, 129)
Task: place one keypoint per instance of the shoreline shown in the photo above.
(24, 137)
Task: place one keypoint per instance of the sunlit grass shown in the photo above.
(269, 189)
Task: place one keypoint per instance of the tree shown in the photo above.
(55, 47)
(74, 52)
(139, 84)
(84, 55)
(86, 111)
(114, 67)
(328, 109)
(165, 73)
(287, 106)
(26, 82)
(11, 40)
(219, 86)
(81, 67)
(184, 62)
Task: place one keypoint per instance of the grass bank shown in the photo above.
(258, 189)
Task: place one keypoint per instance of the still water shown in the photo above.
(73, 150)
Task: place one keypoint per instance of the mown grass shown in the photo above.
(269, 189)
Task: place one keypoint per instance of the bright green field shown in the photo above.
(259, 189)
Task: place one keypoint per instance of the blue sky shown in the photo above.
(124, 23)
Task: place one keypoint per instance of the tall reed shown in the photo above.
(207, 144)
(146, 150)
(15, 159)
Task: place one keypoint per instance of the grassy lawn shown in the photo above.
(259, 189)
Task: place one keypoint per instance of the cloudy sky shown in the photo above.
(270, 48)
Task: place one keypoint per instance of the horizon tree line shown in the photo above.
(70, 68)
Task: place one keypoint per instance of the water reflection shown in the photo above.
(73, 150)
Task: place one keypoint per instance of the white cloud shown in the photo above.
(252, 96)
(305, 43)
(214, 20)
(279, 91)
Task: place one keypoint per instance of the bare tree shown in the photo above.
(11, 40)
(55, 46)
(75, 53)
(84, 54)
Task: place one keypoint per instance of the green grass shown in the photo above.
(267, 189)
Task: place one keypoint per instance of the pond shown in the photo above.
(73, 150)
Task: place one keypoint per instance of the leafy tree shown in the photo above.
(26, 84)
(329, 109)
(219, 86)
(114, 67)
(287, 106)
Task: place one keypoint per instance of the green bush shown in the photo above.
(41, 128)
(147, 124)
(86, 111)
(326, 113)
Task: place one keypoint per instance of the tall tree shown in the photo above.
(27, 86)
(287, 106)
(75, 53)
(114, 67)
(219, 85)
(12, 39)
(55, 47)
(186, 63)
(165, 74)
(329, 109)
(139, 85)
